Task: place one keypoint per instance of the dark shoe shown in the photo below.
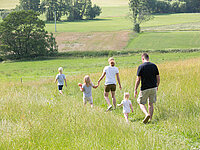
(146, 119)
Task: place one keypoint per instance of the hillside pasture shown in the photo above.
(34, 116)
(92, 41)
(165, 40)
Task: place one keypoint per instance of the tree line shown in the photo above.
(142, 10)
(71, 9)
(175, 6)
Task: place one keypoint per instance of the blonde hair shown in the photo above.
(60, 69)
(111, 61)
(111, 58)
(87, 80)
(126, 95)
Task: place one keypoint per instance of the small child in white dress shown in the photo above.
(126, 106)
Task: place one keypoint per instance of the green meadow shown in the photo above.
(165, 40)
(116, 23)
(34, 116)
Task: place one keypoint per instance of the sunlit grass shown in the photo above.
(165, 40)
(34, 116)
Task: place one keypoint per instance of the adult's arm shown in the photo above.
(137, 82)
(118, 79)
(158, 80)
(102, 76)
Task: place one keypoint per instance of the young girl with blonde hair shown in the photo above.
(86, 88)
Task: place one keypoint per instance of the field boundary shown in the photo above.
(105, 53)
(119, 53)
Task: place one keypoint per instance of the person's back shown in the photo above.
(111, 72)
(61, 78)
(126, 106)
(148, 72)
(87, 90)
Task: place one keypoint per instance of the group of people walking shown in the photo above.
(147, 74)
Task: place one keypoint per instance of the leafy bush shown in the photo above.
(23, 34)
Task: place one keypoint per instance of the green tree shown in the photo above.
(76, 9)
(140, 12)
(22, 34)
(92, 12)
(51, 6)
(30, 5)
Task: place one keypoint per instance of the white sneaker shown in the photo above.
(109, 108)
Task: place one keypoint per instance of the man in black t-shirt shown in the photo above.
(148, 74)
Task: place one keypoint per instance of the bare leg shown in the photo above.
(113, 98)
(61, 92)
(91, 105)
(106, 98)
(126, 117)
(144, 109)
(147, 116)
(151, 110)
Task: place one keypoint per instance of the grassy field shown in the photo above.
(165, 40)
(37, 70)
(122, 23)
(34, 116)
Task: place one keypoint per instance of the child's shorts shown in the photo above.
(89, 99)
(60, 87)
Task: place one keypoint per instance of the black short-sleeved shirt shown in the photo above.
(148, 72)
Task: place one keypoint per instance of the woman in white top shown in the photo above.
(110, 83)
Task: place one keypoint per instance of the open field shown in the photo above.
(92, 41)
(34, 116)
(112, 31)
(8, 4)
(123, 23)
(165, 40)
(42, 70)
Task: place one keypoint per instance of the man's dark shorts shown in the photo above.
(110, 87)
(60, 87)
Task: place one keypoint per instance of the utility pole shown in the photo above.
(55, 20)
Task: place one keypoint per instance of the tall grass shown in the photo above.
(34, 116)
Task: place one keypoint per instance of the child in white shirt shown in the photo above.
(126, 106)
(60, 78)
(86, 88)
